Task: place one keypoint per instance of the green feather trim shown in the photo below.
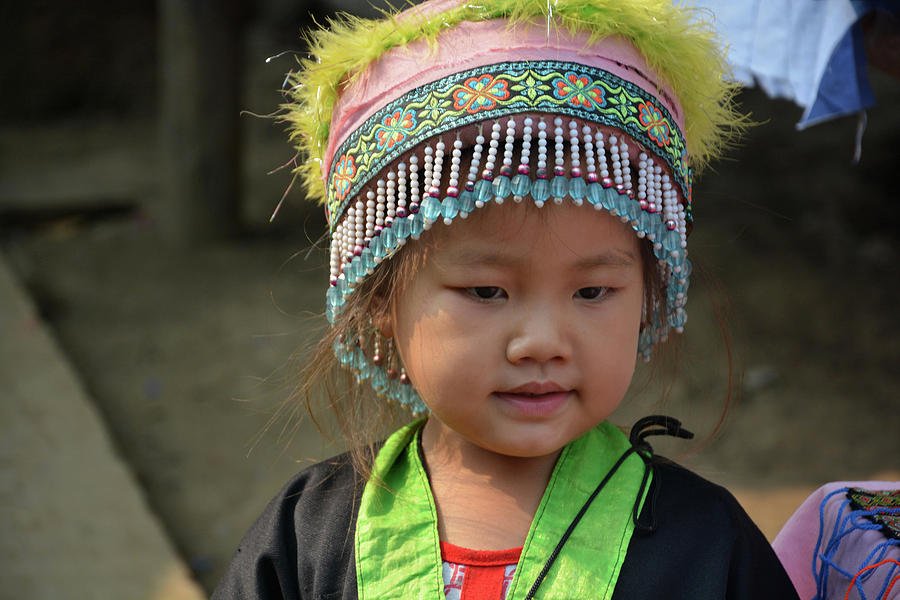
(676, 42)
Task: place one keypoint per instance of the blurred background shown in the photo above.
(152, 319)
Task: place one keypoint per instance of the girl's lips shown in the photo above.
(534, 405)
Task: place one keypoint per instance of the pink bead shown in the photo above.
(523, 169)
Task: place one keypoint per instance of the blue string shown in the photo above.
(844, 524)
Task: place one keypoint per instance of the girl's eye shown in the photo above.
(592, 293)
(486, 292)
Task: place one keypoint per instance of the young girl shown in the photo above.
(508, 187)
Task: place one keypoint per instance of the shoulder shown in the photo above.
(302, 543)
(703, 546)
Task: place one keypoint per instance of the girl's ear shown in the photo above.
(384, 324)
(382, 317)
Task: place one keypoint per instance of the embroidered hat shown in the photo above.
(584, 101)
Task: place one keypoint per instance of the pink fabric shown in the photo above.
(796, 542)
(474, 44)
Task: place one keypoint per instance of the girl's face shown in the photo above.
(520, 328)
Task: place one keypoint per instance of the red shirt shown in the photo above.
(477, 574)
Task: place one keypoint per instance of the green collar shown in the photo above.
(397, 546)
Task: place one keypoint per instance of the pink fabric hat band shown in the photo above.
(470, 45)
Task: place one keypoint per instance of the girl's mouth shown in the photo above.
(534, 404)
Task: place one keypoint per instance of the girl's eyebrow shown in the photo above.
(614, 257)
(470, 257)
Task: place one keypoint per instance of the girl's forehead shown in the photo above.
(523, 229)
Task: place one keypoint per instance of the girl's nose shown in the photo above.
(540, 335)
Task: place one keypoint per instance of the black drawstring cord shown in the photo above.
(644, 428)
(661, 425)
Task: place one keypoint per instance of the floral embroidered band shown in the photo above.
(494, 91)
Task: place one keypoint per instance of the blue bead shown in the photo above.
(367, 259)
(379, 380)
(660, 252)
(622, 204)
(610, 198)
(521, 185)
(401, 228)
(632, 209)
(344, 357)
(389, 238)
(502, 186)
(377, 247)
(449, 207)
(671, 240)
(333, 297)
(540, 191)
(349, 275)
(483, 191)
(577, 188)
(364, 370)
(356, 270)
(595, 193)
(678, 319)
(466, 202)
(559, 187)
(645, 222)
(416, 224)
(431, 208)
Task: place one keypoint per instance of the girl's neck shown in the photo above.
(485, 500)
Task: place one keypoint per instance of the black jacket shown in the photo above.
(704, 547)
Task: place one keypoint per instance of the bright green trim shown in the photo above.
(397, 544)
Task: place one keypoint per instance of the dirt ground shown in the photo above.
(190, 353)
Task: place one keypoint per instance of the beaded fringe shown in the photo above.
(409, 200)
